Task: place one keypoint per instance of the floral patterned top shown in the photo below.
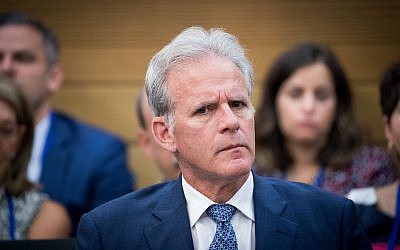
(26, 208)
(371, 166)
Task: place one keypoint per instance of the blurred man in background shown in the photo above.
(165, 161)
(75, 163)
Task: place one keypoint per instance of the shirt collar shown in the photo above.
(197, 203)
(41, 131)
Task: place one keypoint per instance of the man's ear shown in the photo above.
(143, 139)
(55, 77)
(388, 131)
(163, 135)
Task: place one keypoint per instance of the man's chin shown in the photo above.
(242, 162)
(236, 168)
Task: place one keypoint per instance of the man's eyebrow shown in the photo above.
(204, 103)
(239, 97)
(23, 51)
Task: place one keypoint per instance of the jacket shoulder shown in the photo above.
(300, 193)
(140, 202)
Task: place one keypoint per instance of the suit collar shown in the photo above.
(61, 126)
(173, 229)
(273, 231)
(58, 152)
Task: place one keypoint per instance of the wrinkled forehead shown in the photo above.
(208, 72)
(209, 80)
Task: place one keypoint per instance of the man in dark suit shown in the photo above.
(76, 164)
(199, 88)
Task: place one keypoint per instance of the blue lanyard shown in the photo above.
(11, 217)
(319, 179)
(395, 229)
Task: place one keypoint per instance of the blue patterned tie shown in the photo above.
(225, 237)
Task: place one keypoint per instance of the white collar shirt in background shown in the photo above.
(203, 227)
(39, 141)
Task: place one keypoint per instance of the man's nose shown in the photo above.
(7, 66)
(229, 122)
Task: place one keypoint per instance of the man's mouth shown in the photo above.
(233, 146)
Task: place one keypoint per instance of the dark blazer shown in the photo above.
(288, 216)
(378, 226)
(83, 166)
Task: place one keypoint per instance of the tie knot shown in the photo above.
(221, 212)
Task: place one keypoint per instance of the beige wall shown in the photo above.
(107, 45)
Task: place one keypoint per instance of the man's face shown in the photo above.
(214, 119)
(23, 59)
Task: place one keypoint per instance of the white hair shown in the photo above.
(191, 43)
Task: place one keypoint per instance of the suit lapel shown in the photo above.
(173, 229)
(273, 231)
(58, 154)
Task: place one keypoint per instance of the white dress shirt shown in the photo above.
(203, 227)
(39, 141)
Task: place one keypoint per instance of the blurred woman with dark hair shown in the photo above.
(306, 130)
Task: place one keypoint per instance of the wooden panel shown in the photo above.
(86, 64)
(367, 62)
(367, 109)
(144, 169)
(110, 107)
(123, 23)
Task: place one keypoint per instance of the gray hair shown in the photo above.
(191, 43)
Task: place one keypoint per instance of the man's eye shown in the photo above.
(24, 57)
(201, 110)
(204, 109)
(237, 104)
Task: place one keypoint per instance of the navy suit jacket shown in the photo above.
(83, 166)
(378, 226)
(287, 216)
